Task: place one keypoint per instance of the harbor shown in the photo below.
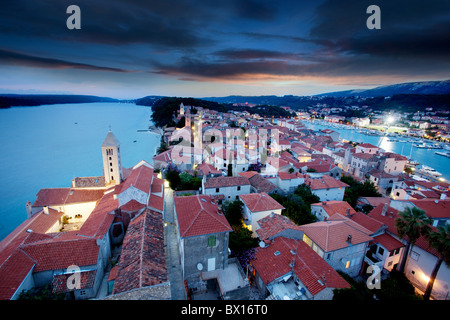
(421, 152)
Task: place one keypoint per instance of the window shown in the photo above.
(110, 158)
(111, 169)
(217, 190)
(380, 250)
(110, 164)
(212, 241)
(239, 188)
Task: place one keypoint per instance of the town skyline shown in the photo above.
(133, 49)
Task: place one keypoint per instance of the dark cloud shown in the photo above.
(160, 23)
(194, 40)
(408, 28)
(16, 58)
(255, 54)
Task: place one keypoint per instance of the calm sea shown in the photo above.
(47, 146)
(423, 156)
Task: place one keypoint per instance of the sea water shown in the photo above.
(48, 146)
(426, 157)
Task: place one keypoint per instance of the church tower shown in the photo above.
(182, 109)
(112, 165)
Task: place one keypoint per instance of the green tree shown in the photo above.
(233, 212)
(174, 179)
(440, 240)
(411, 224)
(305, 192)
(296, 208)
(44, 293)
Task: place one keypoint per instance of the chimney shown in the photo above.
(46, 210)
(349, 238)
(28, 206)
(385, 207)
(347, 213)
(443, 196)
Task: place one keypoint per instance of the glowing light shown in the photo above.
(390, 119)
(425, 278)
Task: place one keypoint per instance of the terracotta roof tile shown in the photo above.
(332, 234)
(56, 255)
(12, 273)
(220, 182)
(274, 224)
(199, 215)
(325, 182)
(260, 202)
(142, 261)
(308, 265)
(59, 282)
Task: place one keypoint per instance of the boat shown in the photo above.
(428, 146)
(445, 154)
(429, 171)
(412, 163)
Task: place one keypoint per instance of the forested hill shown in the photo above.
(16, 100)
(165, 108)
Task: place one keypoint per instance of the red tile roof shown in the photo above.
(367, 145)
(248, 174)
(51, 196)
(309, 267)
(59, 282)
(220, 182)
(140, 178)
(142, 262)
(274, 224)
(332, 234)
(434, 208)
(389, 220)
(54, 255)
(332, 207)
(199, 215)
(61, 196)
(12, 273)
(256, 202)
(325, 182)
(367, 222)
(389, 242)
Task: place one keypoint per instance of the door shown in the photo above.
(211, 264)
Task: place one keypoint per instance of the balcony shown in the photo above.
(371, 259)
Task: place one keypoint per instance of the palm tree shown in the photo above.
(412, 223)
(440, 240)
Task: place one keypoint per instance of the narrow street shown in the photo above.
(173, 261)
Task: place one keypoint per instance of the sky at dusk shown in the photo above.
(130, 49)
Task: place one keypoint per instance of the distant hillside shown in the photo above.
(425, 87)
(16, 100)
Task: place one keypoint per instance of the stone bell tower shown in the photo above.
(112, 165)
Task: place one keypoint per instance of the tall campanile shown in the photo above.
(112, 165)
